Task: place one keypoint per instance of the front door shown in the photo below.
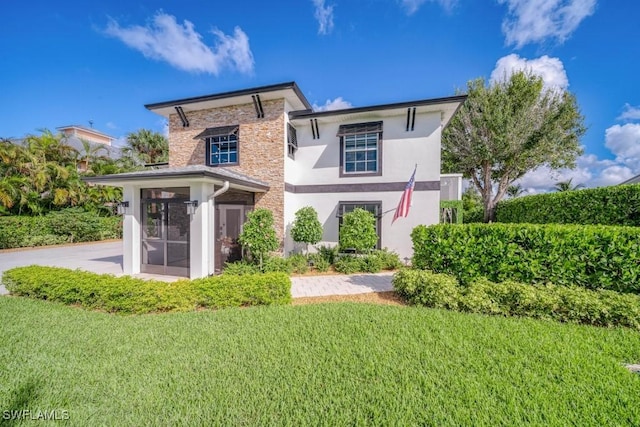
(230, 221)
(165, 237)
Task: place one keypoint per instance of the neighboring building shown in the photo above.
(99, 143)
(87, 134)
(266, 148)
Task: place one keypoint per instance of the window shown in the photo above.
(360, 149)
(221, 144)
(292, 141)
(374, 207)
(223, 150)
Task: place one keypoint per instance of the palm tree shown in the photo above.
(514, 191)
(89, 153)
(566, 186)
(146, 146)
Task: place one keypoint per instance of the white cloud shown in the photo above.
(613, 175)
(181, 46)
(336, 104)
(624, 142)
(630, 113)
(543, 179)
(590, 172)
(531, 21)
(324, 16)
(412, 6)
(550, 69)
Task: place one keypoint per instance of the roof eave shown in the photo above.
(307, 114)
(243, 92)
(119, 180)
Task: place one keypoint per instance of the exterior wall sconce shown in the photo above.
(191, 206)
(123, 208)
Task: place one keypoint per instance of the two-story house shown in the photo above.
(265, 147)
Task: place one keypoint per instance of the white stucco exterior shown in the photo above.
(317, 162)
(409, 136)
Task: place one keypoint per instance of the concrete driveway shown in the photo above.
(107, 258)
(97, 257)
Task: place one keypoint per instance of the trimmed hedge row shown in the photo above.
(66, 226)
(130, 295)
(618, 205)
(566, 304)
(589, 256)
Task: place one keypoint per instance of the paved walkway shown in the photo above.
(314, 286)
(107, 258)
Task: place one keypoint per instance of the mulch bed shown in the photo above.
(382, 298)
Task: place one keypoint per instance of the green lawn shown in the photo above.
(331, 364)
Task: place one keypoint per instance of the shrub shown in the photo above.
(473, 215)
(617, 205)
(65, 226)
(319, 262)
(240, 291)
(258, 235)
(369, 263)
(299, 263)
(587, 256)
(358, 231)
(347, 264)
(240, 268)
(563, 303)
(130, 295)
(82, 226)
(276, 264)
(389, 260)
(306, 226)
(427, 288)
(329, 253)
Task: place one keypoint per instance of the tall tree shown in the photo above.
(509, 128)
(146, 146)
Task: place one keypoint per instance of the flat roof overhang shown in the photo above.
(181, 175)
(446, 106)
(289, 91)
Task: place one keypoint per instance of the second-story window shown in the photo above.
(221, 145)
(360, 149)
(292, 141)
(223, 150)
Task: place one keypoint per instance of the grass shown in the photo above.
(326, 364)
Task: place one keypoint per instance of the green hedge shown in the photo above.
(619, 205)
(509, 298)
(130, 295)
(66, 226)
(590, 256)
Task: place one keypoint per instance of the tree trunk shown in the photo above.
(490, 212)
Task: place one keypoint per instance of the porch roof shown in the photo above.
(184, 173)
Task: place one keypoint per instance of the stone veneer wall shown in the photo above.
(261, 144)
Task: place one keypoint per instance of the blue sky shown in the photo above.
(71, 62)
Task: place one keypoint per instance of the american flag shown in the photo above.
(405, 200)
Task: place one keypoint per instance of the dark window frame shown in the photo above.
(358, 203)
(292, 141)
(210, 140)
(342, 170)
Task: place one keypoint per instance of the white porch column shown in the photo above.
(131, 231)
(201, 246)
